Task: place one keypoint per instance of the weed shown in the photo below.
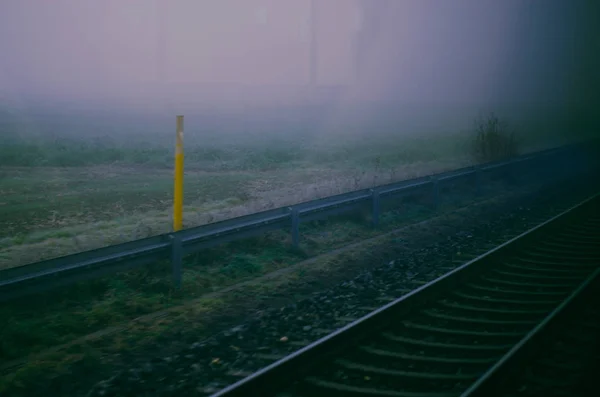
(241, 265)
(493, 141)
(19, 238)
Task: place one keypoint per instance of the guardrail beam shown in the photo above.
(376, 207)
(435, 193)
(478, 181)
(295, 217)
(176, 259)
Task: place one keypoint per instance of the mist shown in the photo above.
(335, 153)
(238, 65)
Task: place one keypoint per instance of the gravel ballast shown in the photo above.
(205, 366)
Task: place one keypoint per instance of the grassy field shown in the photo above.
(90, 324)
(65, 196)
(53, 210)
(63, 193)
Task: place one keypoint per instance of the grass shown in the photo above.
(63, 316)
(41, 199)
(42, 322)
(60, 316)
(102, 198)
(115, 192)
(49, 209)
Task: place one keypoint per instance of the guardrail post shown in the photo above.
(435, 192)
(376, 207)
(478, 180)
(511, 172)
(176, 258)
(295, 226)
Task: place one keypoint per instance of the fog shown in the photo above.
(402, 65)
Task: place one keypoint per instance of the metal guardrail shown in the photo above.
(44, 275)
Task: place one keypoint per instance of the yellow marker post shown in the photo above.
(178, 194)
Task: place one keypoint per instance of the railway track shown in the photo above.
(561, 358)
(446, 337)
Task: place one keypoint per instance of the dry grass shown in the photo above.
(262, 194)
(47, 212)
(493, 140)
